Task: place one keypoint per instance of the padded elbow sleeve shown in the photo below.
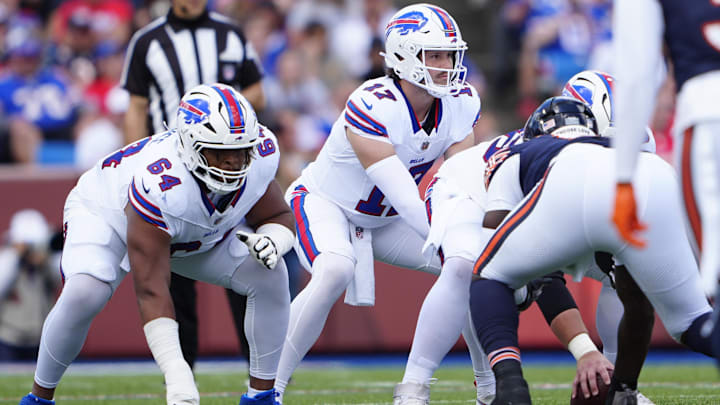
(555, 298)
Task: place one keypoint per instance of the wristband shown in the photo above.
(164, 342)
(581, 345)
(281, 236)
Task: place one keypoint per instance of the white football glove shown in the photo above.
(261, 247)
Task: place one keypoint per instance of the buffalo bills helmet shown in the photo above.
(594, 89)
(216, 117)
(562, 117)
(415, 30)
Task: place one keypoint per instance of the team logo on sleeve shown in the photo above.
(195, 111)
(407, 23)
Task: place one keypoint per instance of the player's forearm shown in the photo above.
(637, 58)
(255, 95)
(151, 277)
(284, 218)
(569, 328)
(154, 304)
(136, 119)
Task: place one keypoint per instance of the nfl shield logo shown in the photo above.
(425, 145)
(359, 232)
(228, 72)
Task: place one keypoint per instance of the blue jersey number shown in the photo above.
(115, 159)
(158, 167)
(373, 204)
(380, 94)
(266, 146)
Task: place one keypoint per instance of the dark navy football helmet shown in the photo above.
(562, 117)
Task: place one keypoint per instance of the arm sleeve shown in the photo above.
(555, 298)
(638, 29)
(394, 180)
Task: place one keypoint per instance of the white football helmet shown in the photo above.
(594, 88)
(216, 117)
(419, 28)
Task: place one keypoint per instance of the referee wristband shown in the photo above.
(581, 345)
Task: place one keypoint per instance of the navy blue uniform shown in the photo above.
(535, 157)
(686, 34)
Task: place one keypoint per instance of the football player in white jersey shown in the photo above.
(551, 196)
(456, 199)
(176, 201)
(359, 200)
(690, 34)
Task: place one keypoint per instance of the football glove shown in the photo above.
(261, 247)
(625, 216)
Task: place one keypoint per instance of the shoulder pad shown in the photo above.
(161, 187)
(468, 104)
(494, 163)
(366, 109)
(501, 142)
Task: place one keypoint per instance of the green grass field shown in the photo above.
(688, 383)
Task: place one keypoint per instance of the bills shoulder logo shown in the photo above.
(195, 111)
(406, 23)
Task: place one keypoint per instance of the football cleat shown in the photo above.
(31, 399)
(268, 397)
(643, 400)
(512, 390)
(411, 394)
(625, 396)
(485, 392)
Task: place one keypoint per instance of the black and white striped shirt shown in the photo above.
(170, 56)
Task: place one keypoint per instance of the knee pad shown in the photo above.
(336, 269)
(85, 292)
(458, 269)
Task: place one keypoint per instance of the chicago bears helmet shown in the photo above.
(562, 117)
(594, 88)
(417, 29)
(216, 117)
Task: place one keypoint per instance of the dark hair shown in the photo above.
(389, 72)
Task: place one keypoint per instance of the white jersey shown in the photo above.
(150, 175)
(466, 169)
(379, 110)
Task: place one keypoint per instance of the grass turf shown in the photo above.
(665, 384)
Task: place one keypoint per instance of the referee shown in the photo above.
(165, 59)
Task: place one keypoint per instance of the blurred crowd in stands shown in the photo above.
(60, 62)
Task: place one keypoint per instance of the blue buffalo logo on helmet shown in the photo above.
(580, 92)
(407, 23)
(194, 111)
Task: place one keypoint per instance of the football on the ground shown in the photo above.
(598, 399)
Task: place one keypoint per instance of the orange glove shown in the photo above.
(625, 216)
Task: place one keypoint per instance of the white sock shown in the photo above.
(607, 319)
(252, 392)
(66, 326)
(309, 311)
(441, 320)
